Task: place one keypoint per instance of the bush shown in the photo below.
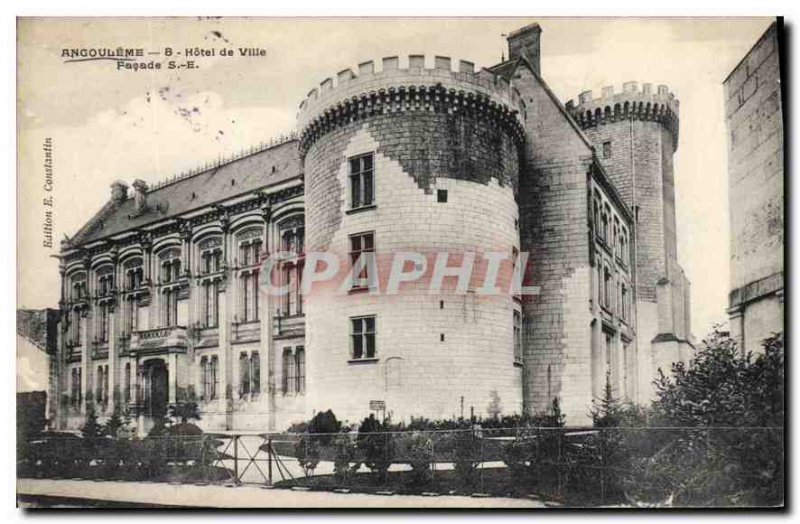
(319, 432)
(184, 411)
(307, 451)
(533, 448)
(376, 445)
(345, 463)
(420, 457)
(324, 422)
(466, 447)
(720, 467)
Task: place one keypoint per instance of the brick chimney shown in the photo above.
(119, 191)
(525, 42)
(140, 195)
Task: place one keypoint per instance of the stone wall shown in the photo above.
(434, 352)
(754, 121)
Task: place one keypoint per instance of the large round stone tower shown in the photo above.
(635, 134)
(411, 159)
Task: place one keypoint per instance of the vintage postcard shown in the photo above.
(400, 262)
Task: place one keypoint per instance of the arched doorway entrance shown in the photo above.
(156, 388)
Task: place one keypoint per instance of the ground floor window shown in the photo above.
(294, 370)
(249, 373)
(209, 369)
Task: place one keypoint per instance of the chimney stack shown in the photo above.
(119, 191)
(140, 195)
(525, 42)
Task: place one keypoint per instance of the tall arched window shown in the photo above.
(170, 271)
(104, 291)
(134, 273)
(78, 288)
(210, 250)
(76, 331)
(292, 233)
(105, 310)
(210, 303)
(249, 248)
(211, 262)
(170, 265)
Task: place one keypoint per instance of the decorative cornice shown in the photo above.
(180, 225)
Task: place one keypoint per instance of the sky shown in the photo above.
(107, 124)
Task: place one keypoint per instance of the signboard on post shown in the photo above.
(377, 405)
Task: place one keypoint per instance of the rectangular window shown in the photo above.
(363, 337)
(210, 314)
(76, 326)
(127, 382)
(624, 302)
(99, 385)
(517, 337)
(255, 373)
(214, 379)
(170, 305)
(75, 397)
(300, 366)
(254, 293)
(362, 244)
(104, 322)
(441, 196)
(607, 288)
(204, 383)
(361, 181)
(288, 371)
(606, 149)
(244, 375)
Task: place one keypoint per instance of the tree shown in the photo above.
(92, 429)
(494, 409)
(114, 423)
(730, 411)
(184, 411)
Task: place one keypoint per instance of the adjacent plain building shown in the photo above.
(162, 295)
(754, 119)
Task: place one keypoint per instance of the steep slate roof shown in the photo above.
(506, 69)
(39, 327)
(225, 181)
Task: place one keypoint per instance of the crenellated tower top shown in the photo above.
(415, 87)
(631, 103)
